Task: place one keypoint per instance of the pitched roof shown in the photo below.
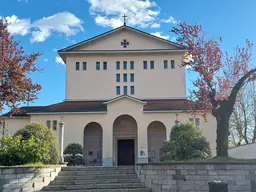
(66, 49)
(101, 106)
(23, 111)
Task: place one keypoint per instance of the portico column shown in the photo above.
(142, 143)
(61, 141)
(107, 157)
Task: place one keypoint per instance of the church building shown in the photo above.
(125, 90)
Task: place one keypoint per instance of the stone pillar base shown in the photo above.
(106, 162)
(142, 160)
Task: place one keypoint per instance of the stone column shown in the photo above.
(107, 156)
(62, 141)
(142, 141)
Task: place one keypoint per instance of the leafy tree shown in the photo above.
(42, 132)
(220, 77)
(74, 152)
(186, 143)
(16, 85)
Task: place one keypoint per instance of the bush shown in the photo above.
(42, 132)
(74, 152)
(19, 151)
(186, 143)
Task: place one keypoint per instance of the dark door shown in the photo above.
(126, 153)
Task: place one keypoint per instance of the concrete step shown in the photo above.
(94, 186)
(107, 190)
(95, 168)
(93, 181)
(84, 173)
(86, 177)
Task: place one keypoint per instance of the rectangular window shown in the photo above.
(118, 90)
(132, 77)
(48, 124)
(84, 66)
(125, 90)
(118, 65)
(131, 64)
(145, 64)
(165, 64)
(132, 90)
(197, 122)
(118, 77)
(105, 65)
(77, 66)
(172, 64)
(54, 125)
(97, 65)
(152, 65)
(125, 65)
(125, 77)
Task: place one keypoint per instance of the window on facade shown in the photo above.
(125, 90)
(152, 65)
(172, 64)
(197, 122)
(132, 90)
(125, 65)
(84, 66)
(125, 77)
(118, 65)
(77, 66)
(118, 77)
(131, 64)
(118, 90)
(48, 124)
(132, 77)
(165, 64)
(97, 65)
(145, 64)
(54, 125)
(105, 65)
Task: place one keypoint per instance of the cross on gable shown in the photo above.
(125, 43)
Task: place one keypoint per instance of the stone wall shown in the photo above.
(195, 177)
(26, 179)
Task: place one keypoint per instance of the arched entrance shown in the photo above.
(125, 140)
(156, 137)
(93, 144)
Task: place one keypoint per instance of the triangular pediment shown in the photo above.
(123, 39)
(125, 97)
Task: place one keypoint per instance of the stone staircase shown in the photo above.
(97, 179)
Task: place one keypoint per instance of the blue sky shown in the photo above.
(47, 25)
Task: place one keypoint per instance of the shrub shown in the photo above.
(74, 152)
(186, 143)
(165, 151)
(19, 151)
(42, 132)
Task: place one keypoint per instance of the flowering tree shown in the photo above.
(16, 85)
(220, 77)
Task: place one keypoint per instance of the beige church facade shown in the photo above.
(124, 93)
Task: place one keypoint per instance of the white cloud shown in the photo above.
(59, 60)
(46, 60)
(155, 25)
(159, 34)
(23, 1)
(62, 23)
(170, 20)
(18, 26)
(55, 50)
(108, 13)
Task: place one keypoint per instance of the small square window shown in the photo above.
(54, 125)
(105, 65)
(132, 77)
(118, 65)
(125, 90)
(97, 66)
(125, 77)
(125, 65)
(48, 124)
(118, 77)
(131, 64)
(152, 65)
(84, 66)
(118, 90)
(77, 66)
(165, 64)
(90, 153)
(172, 64)
(132, 90)
(145, 64)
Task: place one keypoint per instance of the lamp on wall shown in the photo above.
(177, 122)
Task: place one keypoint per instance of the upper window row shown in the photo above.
(118, 65)
(172, 64)
(98, 66)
